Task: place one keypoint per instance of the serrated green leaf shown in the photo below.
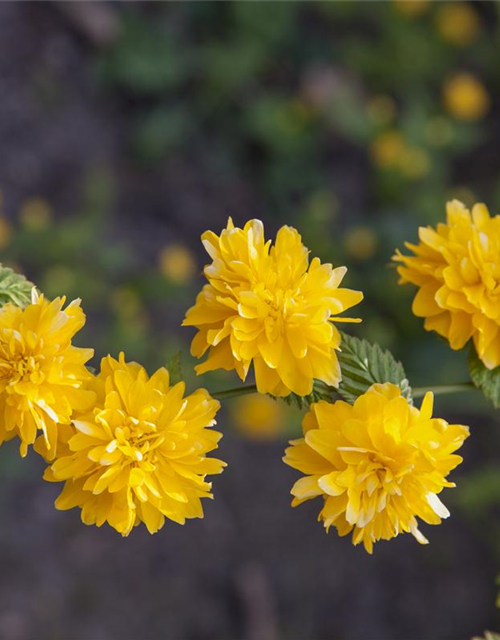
(14, 288)
(321, 391)
(363, 364)
(174, 368)
(486, 380)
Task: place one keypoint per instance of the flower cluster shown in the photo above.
(269, 306)
(457, 269)
(131, 448)
(378, 464)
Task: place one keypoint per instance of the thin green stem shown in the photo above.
(419, 392)
(233, 393)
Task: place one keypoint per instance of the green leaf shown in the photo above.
(486, 380)
(174, 368)
(321, 391)
(14, 288)
(364, 364)
(488, 635)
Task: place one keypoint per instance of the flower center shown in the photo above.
(134, 438)
(21, 368)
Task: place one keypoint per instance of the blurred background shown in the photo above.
(128, 129)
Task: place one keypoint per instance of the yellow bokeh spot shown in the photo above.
(258, 417)
(387, 149)
(457, 22)
(126, 302)
(177, 263)
(415, 163)
(465, 97)
(361, 242)
(5, 232)
(323, 206)
(412, 8)
(35, 214)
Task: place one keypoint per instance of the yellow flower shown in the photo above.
(258, 417)
(411, 8)
(41, 372)
(457, 269)
(388, 149)
(415, 162)
(465, 97)
(140, 454)
(177, 263)
(269, 306)
(457, 22)
(378, 464)
(361, 242)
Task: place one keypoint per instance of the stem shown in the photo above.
(419, 392)
(233, 393)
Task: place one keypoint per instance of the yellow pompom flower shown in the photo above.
(270, 306)
(41, 372)
(457, 269)
(378, 464)
(140, 454)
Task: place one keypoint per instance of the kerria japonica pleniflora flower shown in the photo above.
(41, 372)
(268, 305)
(140, 454)
(378, 464)
(457, 269)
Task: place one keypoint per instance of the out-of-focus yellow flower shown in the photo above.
(258, 417)
(126, 302)
(465, 97)
(35, 214)
(381, 109)
(269, 306)
(415, 162)
(387, 149)
(177, 263)
(41, 372)
(140, 454)
(378, 464)
(457, 22)
(361, 242)
(412, 8)
(323, 206)
(457, 269)
(5, 232)
(391, 151)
